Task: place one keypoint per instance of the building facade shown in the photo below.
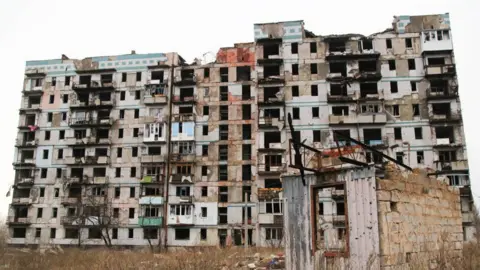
(145, 149)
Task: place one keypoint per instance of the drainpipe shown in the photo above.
(169, 150)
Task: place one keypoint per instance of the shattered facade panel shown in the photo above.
(212, 140)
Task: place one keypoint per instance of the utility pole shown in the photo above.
(245, 220)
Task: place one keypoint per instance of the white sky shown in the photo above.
(36, 30)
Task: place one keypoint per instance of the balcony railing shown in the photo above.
(70, 200)
(268, 122)
(22, 201)
(95, 85)
(26, 143)
(265, 169)
(437, 93)
(184, 99)
(13, 220)
(340, 98)
(445, 118)
(93, 104)
(440, 70)
(90, 140)
(363, 118)
(458, 165)
(82, 121)
(275, 100)
(184, 117)
(152, 158)
(151, 200)
(150, 221)
(24, 181)
(152, 179)
(185, 81)
(378, 143)
(87, 160)
(25, 162)
(71, 221)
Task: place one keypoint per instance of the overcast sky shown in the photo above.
(46, 29)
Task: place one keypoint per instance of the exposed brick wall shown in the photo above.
(419, 218)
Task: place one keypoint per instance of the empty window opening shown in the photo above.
(398, 133)
(85, 79)
(389, 43)
(271, 70)
(418, 133)
(338, 90)
(243, 73)
(316, 135)
(420, 157)
(223, 194)
(294, 48)
(399, 157)
(204, 191)
(154, 151)
(270, 93)
(246, 172)
(223, 129)
(295, 91)
(368, 89)
(314, 68)
(416, 109)
(393, 87)
(246, 112)
(441, 109)
(294, 69)
(366, 44)
(372, 136)
(157, 75)
(273, 183)
(408, 43)
(223, 152)
(315, 112)
(246, 95)
(445, 133)
(246, 192)
(270, 49)
(223, 93)
(338, 67)
(246, 132)
(367, 66)
(391, 65)
(336, 46)
(313, 47)
(296, 112)
(224, 112)
(314, 90)
(106, 78)
(182, 234)
(206, 72)
(185, 110)
(436, 61)
(246, 152)
(222, 172)
(411, 64)
(203, 234)
(340, 110)
(224, 74)
(222, 215)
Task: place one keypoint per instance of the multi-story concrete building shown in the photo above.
(144, 148)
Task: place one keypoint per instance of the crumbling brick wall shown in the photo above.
(420, 220)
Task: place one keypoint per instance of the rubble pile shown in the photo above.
(258, 262)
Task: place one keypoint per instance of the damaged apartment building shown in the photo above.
(143, 149)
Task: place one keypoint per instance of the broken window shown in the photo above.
(389, 43)
(246, 172)
(294, 48)
(418, 133)
(246, 112)
(71, 233)
(204, 150)
(206, 110)
(203, 234)
(223, 129)
(204, 213)
(122, 95)
(367, 44)
(340, 110)
(445, 133)
(398, 133)
(270, 49)
(243, 73)
(295, 91)
(223, 112)
(338, 67)
(67, 80)
(315, 112)
(222, 194)
(204, 191)
(399, 157)
(313, 47)
(246, 95)
(316, 136)
(205, 130)
(246, 152)
(271, 70)
(85, 79)
(222, 215)
(222, 172)
(391, 64)
(206, 72)
(411, 64)
(336, 46)
(273, 183)
(271, 207)
(416, 109)
(246, 132)
(413, 85)
(47, 135)
(246, 192)
(393, 87)
(314, 90)
(441, 109)
(124, 77)
(447, 156)
(420, 157)
(154, 150)
(223, 93)
(183, 191)
(99, 172)
(368, 89)
(224, 74)
(157, 75)
(372, 136)
(294, 69)
(296, 112)
(223, 152)
(367, 66)
(338, 90)
(436, 61)
(313, 68)
(408, 43)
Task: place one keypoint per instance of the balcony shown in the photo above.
(269, 193)
(26, 143)
(87, 160)
(336, 220)
(278, 100)
(445, 143)
(458, 165)
(340, 98)
(179, 99)
(337, 77)
(26, 162)
(24, 181)
(271, 169)
(93, 105)
(150, 221)
(182, 157)
(348, 54)
(439, 71)
(28, 125)
(151, 200)
(273, 219)
(272, 147)
(180, 220)
(436, 93)
(182, 179)
(155, 93)
(70, 200)
(430, 43)
(94, 86)
(152, 179)
(13, 220)
(270, 79)
(370, 119)
(184, 117)
(90, 140)
(368, 76)
(87, 122)
(377, 142)
(152, 159)
(22, 201)
(445, 118)
(30, 108)
(185, 81)
(271, 122)
(71, 221)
